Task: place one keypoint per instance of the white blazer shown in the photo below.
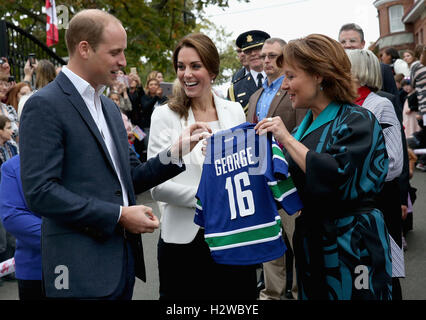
(178, 194)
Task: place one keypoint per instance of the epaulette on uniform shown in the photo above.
(240, 78)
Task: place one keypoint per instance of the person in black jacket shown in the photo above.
(153, 97)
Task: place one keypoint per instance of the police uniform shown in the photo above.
(239, 74)
(242, 88)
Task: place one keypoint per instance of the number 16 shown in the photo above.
(240, 195)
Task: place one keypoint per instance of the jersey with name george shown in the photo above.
(244, 176)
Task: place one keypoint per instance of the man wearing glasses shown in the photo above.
(251, 43)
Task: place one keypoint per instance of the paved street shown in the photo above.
(413, 286)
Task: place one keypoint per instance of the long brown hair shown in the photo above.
(320, 55)
(12, 98)
(206, 49)
(45, 73)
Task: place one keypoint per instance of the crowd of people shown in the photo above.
(79, 142)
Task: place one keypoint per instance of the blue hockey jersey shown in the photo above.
(243, 175)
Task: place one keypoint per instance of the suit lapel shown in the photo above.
(252, 107)
(222, 112)
(276, 101)
(78, 103)
(122, 152)
(122, 146)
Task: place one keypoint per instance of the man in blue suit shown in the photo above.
(80, 175)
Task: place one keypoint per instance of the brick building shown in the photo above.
(402, 24)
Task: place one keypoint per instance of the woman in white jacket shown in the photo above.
(186, 269)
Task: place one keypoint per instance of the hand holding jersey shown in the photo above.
(190, 138)
(251, 173)
(276, 126)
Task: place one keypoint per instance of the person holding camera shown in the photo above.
(5, 109)
(152, 98)
(5, 71)
(120, 88)
(4, 66)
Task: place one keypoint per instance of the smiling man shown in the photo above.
(270, 100)
(251, 43)
(351, 36)
(80, 175)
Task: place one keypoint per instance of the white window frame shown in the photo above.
(395, 18)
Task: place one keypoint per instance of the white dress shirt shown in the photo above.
(255, 73)
(93, 102)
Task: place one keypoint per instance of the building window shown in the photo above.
(395, 18)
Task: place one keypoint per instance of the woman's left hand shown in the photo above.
(274, 125)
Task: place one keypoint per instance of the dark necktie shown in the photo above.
(259, 80)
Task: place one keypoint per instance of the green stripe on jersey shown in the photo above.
(278, 153)
(245, 236)
(279, 188)
(198, 205)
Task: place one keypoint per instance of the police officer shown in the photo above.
(241, 89)
(244, 69)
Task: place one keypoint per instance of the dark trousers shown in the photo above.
(125, 290)
(187, 272)
(396, 289)
(30, 290)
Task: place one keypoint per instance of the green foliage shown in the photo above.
(225, 44)
(153, 26)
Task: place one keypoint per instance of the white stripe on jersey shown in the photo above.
(259, 226)
(246, 243)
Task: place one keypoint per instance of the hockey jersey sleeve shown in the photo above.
(199, 214)
(280, 181)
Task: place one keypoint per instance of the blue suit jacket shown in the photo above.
(69, 179)
(23, 224)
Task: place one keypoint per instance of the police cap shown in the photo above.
(251, 39)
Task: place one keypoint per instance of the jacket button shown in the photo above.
(118, 193)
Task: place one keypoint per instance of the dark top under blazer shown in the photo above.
(69, 179)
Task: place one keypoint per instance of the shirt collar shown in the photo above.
(276, 83)
(83, 87)
(255, 73)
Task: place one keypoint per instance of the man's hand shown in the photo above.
(189, 138)
(138, 219)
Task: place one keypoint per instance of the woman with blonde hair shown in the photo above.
(338, 162)
(155, 75)
(45, 73)
(186, 268)
(366, 70)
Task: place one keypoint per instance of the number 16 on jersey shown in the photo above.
(245, 208)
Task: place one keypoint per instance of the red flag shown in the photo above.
(52, 36)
